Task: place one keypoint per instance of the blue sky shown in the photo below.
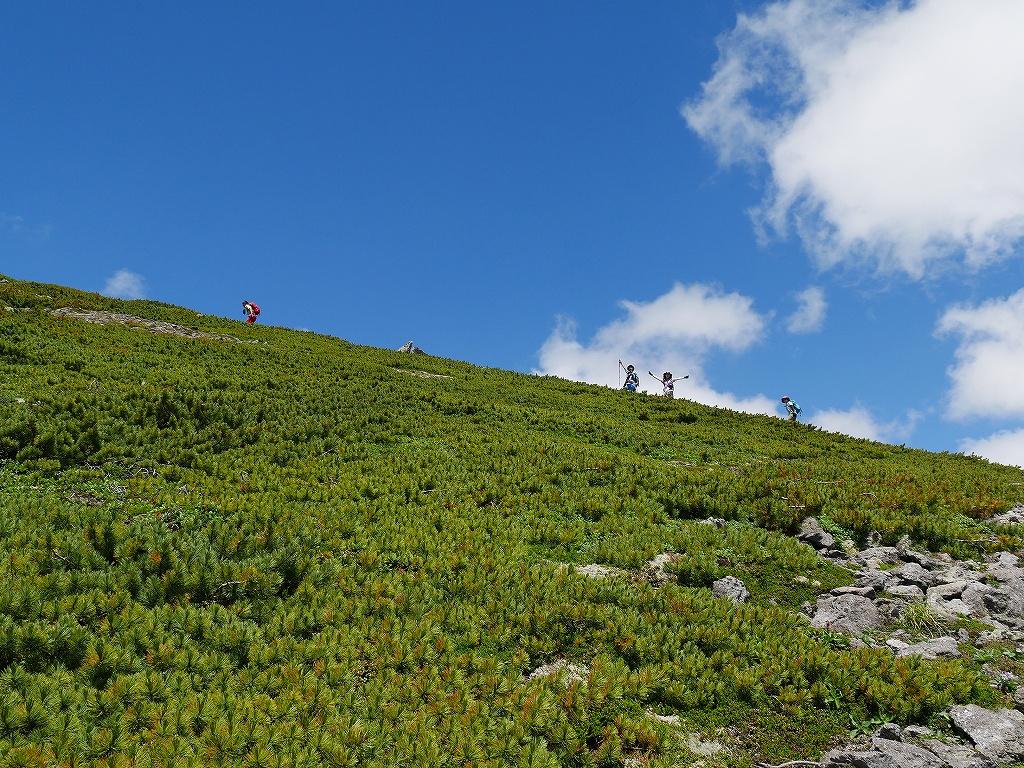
(818, 198)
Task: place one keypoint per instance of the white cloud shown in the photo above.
(989, 362)
(672, 333)
(858, 421)
(125, 285)
(892, 133)
(810, 314)
(1005, 447)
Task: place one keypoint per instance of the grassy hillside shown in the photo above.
(287, 550)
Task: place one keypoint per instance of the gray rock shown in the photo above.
(917, 731)
(813, 534)
(914, 573)
(939, 648)
(1013, 516)
(596, 571)
(839, 758)
(956, 755)
(1008, 560)
(572, 672)
(974, 597)
(887, 555)
(906, 755)
(876, 579)
(908, 592)
(890, 731)
(998, 735)
(1018, 697)
(863, 591)
(732, 588)
(850, 614)
(896, 645)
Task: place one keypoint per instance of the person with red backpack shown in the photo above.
(251, 310)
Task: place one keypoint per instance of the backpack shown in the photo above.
(794, 404)
(255, 309)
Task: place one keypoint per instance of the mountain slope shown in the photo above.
(246, 545)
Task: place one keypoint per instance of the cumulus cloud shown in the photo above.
(892, 133)
(989, 361)
(672, 333)
(810, 314)
(125, 285)
(1005, 447)
(858, 421)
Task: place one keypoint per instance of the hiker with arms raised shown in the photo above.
(792, 408)
(668, 384)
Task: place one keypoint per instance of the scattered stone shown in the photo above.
(1018, 697)
(572, 672)
(939, 648)
(849, 614)
(732, 588)
(998, 735)
(703, 748)
(595, 571)
(957, 755)
(853, 590)
(886, 555)
(890, 731)
(914, 573)
(906, 755)
(1013, 516)
(654, 569)
(666, 719)
(715, 521)
(97, 317)
(917, 731)
(908, 592)
(813, 534)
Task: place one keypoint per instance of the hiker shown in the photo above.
(632, 378)
(792, 408)
(251, 311)
(668, 384)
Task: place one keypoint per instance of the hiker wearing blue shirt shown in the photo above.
(792, 408)
(632, 379)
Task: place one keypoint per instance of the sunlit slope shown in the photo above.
(284, 549)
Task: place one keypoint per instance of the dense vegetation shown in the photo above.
(300, 552)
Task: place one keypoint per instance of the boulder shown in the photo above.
(956, 755)
(732, 588)
(908, 592)
(938, 648)
(998, 735)
(906, 755)
(813, 534)
(886, 555)
(914, 573)
(850, 614)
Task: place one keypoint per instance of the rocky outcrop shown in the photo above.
(992, 592)
(997, 735)
(410, 348)
(97, 317)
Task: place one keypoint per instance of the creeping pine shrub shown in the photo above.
(233, 551)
